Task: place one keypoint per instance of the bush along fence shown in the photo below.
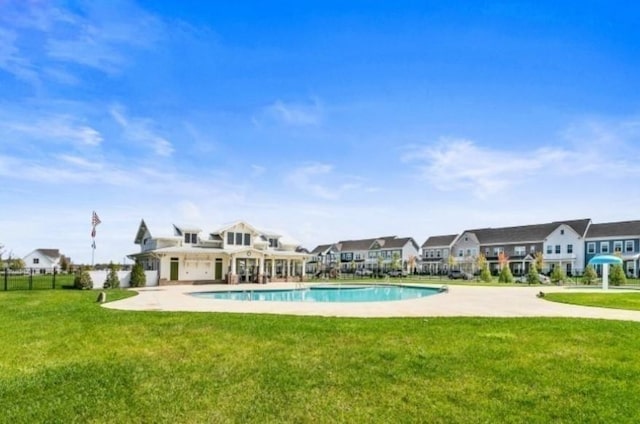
(36, 279)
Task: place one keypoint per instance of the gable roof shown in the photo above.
(353, 245)
(437, 241)
(614, 229)
(527, 233)
(53, 254)
(321, 249)
(399, 242)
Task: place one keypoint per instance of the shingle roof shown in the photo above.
(437, 241)
(526, 233)
(321, 248)
(398, 242)
(613, 229)
(51, 253)
(355, 245)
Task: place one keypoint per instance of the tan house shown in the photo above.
(235, 253)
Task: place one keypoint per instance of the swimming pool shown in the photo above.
(355, 293)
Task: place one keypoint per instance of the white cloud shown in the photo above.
(590, 147)
(141, 130)
(63, 128)
(294, 114)
(12, 61)
(92, 34)
(320, 181)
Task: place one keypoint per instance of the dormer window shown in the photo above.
(190, 238)
(247, 239)
(273, 242)
(230, 237)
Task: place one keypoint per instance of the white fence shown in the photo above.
(99, 277)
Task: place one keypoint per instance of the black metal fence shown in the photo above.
(33, 279)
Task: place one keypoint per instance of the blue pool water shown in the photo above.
(373, 293)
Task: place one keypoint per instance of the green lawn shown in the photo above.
(64, 359)
(629, 301)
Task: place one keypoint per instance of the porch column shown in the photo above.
(304, 265)
(232, 278)
(261, 277)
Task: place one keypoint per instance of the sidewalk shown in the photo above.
(460, 301)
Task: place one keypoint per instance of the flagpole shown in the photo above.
(94, 223)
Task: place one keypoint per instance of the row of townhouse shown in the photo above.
(380, 253)
(567, 244)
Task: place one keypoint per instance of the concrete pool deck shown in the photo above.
(459, 301)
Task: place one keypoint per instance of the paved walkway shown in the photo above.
(460, 301)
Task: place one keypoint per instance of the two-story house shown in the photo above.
(380, 253)
(44, 260)
(615, 238)
(561, 244)
(435, 254)
(235, 253)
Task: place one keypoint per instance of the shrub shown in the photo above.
(616, 276)
(589, 276)
(138, 279)
(485, 274)
(82, 280)
(557, 275)
(112, 281)
(505, 275)
(532, 275)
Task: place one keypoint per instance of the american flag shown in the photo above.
(94, 221)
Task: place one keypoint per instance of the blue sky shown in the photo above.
(324, 120)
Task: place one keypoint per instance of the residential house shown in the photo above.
(435, 254)
(381, 253)
(44, 260)
(615, 238)
(322, 258)
(561, 244)
(235, 253)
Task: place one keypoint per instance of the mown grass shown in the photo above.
(64, 359)
(630, 301)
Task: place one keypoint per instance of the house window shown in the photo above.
(561, 232)
(230, 238)
(628, 246)
(487, 251)
(468, 252)
(569, 248)
(549, 249)
(238, 239)
(591, 248)
(604, 247)
(519, 250)
(36, 261)
(247, 239)
(617, 246)
(532, 249)
(438, 253)
(460, 252)
(191, 238)
(273, 242)
(558, 249)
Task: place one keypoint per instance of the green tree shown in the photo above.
(505, 275)
(395, 261)
(616, 276)
(589, 276)
(64, 264)
(485, 274)
(532, 275)
(17, 264)
(138, 279)
(539, 261)
(557, 275)
(83, 280)
(112, 281)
